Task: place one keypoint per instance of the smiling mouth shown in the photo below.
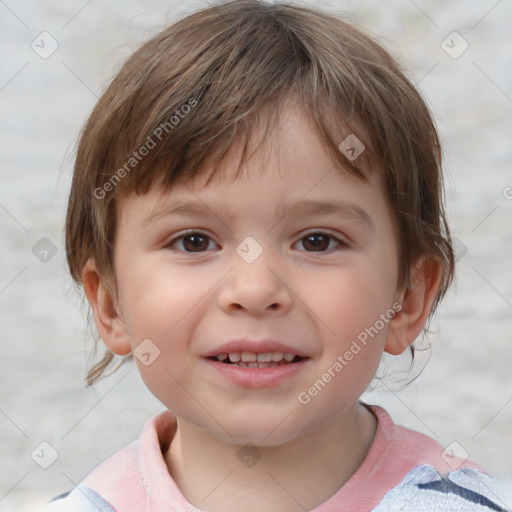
(257, 360)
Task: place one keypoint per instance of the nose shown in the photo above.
(258, 288)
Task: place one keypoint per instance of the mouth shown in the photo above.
(257, 359)
(263, 363)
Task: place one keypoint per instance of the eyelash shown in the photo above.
(170, 245)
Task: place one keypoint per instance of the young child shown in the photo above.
(256, 215)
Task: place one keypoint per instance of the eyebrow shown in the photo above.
(303, 207)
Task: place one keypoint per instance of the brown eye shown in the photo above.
(193, 242)
(320, 242)
(316, 242)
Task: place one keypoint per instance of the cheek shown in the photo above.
(351, 298)
(168, 382)
(352, 311)
(159, 301)
(161, 310)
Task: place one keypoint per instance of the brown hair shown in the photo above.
(188, 94)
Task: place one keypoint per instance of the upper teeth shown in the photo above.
(248, 357)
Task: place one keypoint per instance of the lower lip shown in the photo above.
(257, 377)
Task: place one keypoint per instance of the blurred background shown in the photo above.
(56, 59)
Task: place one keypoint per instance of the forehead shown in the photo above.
(292, 168)
(292, 176)
(270, 130)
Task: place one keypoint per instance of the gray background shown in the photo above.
(465, 392)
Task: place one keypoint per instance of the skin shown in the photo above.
(318, 301)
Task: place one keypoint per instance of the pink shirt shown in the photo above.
(137, 478)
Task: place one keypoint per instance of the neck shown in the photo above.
(221, 476)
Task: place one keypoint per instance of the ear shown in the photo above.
(109, 323)
(416, 302)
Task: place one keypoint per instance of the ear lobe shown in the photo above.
(108, 321)
(416, 302)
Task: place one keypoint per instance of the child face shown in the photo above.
(259, 265)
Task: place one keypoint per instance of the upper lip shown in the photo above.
(255, 346)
